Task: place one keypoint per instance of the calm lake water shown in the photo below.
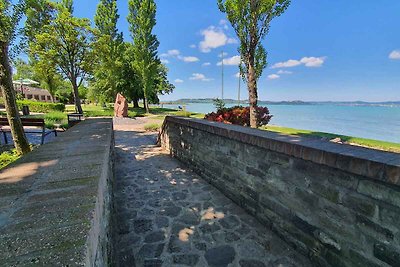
(374, 122)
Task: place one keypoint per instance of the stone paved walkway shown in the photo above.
(168, 216)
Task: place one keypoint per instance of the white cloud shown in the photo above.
(178, 81)
(193, 46)
(287, 64)
(213, 38)
(199, 77)
(232, 61)
(237, 75)
(171, 53)
(206, 64)
(395, 54)
(273, 76)
(284, 72)
(190, 59)
(306, 61)
(164, 61)
(313, 62)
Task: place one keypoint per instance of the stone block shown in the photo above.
(380, 191)
(386, 253)
(360, 204)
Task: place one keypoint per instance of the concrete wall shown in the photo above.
(55, 202)
(337, 204)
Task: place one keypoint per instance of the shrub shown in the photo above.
(8, 157)
(41, 107)
(219, 104)
(239, 116)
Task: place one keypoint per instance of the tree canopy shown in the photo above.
(251, 21)
(142, 19)
(66, 43)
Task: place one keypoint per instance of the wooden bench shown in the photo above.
(27, 122)
(74, 118)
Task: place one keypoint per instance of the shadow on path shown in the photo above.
(166, 215)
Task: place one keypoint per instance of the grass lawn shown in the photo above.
(381, 145)
(155, 112)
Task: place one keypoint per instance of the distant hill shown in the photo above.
(297, 102)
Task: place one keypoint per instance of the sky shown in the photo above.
(317, 50)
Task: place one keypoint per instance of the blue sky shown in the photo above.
(318, 50)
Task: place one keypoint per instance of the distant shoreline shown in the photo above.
(242, 102)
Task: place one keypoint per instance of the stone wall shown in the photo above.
(337, 204)
(55, 202)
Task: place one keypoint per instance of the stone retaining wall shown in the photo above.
(337, 204)
(55, 203)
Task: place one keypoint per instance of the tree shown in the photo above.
(40, 14)
(24, 70)
(129, 82)
(142, 19)
(10, 16)
(251, 21)
(161, 83)
(108, 50)
(66, 42)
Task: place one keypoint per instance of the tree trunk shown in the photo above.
(20, 142)
(77, 100)
(146, 105)
(135, 102)
(252, 87)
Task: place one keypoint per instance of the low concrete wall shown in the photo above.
(55, 203)
(337, 204)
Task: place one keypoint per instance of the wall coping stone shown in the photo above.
(375, 164)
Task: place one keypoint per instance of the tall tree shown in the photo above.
(40, 14)
(10, 16)
(108, 50)
(66, 41)
(251, 21)
(129, 81)
(142, 19)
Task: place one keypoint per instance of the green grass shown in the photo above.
(152, 127)
(8, 157)
(381, 145)
(155, 112)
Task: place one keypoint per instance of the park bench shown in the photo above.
(27, 122)
(74, 118)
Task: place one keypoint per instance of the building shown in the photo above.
(34, 93)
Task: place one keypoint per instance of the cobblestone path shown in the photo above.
(168, 216)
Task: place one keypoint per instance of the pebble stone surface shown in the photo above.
(166, 215)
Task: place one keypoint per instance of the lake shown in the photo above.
(373, 122)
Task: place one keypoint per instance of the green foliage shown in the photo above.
(8, 157)
(142, 19)
(56, 118)
(41, 107)
(10, 15)
(39, 15)
(219, 103)
(24, 70)
(108, 50)
(66, 43)
(251, 21)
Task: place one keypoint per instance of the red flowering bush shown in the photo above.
(239, 116)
